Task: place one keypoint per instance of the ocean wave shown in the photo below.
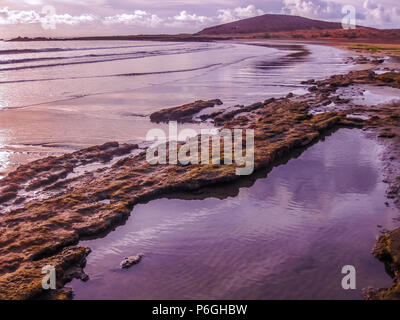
(44, 50)
(116, 75)
(17, 61)
(122, 56)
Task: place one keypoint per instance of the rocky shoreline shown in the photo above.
(49, 205)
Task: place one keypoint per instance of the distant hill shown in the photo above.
(270, 23)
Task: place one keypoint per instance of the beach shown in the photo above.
(56, 98)
(325, 186)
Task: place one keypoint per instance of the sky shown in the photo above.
(51, 18)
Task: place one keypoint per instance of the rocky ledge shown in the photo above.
(183, 113)
(50, 204)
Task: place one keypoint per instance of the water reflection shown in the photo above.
(100, 108)
(4, 154)
(285, 237)
(295, 54)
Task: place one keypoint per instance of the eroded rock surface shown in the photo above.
(50, 204)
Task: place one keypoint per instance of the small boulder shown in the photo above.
(127, 262)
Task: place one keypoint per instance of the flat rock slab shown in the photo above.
(183, 113)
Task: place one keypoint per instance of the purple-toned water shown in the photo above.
(56, 97)
(284, 236)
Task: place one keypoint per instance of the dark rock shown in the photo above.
(183, 113)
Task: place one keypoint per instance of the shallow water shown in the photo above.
(62, 96)
(284, 236)
(368, 95)
(34, 73)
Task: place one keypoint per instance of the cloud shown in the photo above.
(229, 15)
(12, 17)
(28, 2)
(15, 17)
(137, 18)
(184, 19)
(369, 5)
(313, 8)
(172, 16)
(73, 20)
(370, 12)
(380, 14)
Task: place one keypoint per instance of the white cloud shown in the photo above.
(369, 5)
(72, 20)
(229, 15)
(137, 18)
(312, 8)
(186, 19)
(11, 17)
(174, 16)
(15, 17)
(184, 16)
(380, 15)
(223, 16)
(369, 12)
(29, 2)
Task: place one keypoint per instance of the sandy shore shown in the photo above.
(50, 204)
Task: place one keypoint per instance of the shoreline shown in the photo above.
(82, 112)
(122, 176)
